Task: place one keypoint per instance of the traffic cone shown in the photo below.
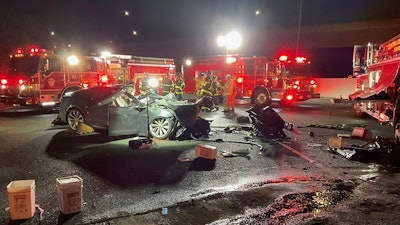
(84, 129)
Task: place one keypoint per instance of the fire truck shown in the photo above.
(287, 79)
(38, 78)
(376, 68)
(194, 67)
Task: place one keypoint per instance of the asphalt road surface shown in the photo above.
(122, 185)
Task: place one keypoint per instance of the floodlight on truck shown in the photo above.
(230, 60)
(73, 60)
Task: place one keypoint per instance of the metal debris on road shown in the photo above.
(314, 145)
(240, 153)
(348, 127)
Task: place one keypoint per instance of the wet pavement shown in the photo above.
(294, 181)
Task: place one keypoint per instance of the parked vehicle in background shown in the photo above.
(376, 68)
(287, 79)
(38, 77)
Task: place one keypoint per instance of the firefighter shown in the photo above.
(206, 89)
(179, 85)
(215, 87)
(166, 85)
(199, 84)
(144, 84)
(229, 95)
(396, 117)
(207, 85)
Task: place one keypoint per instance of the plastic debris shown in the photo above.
(84, 129)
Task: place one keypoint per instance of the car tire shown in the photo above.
(261, 96)
(161, 128)
(74, 117)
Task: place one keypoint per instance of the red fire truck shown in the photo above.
(287, 79)
(376, 68)
(194, 67)
(38, 77)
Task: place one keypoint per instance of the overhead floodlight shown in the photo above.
(233, 40)
(221, 41)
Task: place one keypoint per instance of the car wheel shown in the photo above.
(74, 117)
(261, 97)
(161, 128)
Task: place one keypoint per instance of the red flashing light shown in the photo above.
(239, 80)
(297, 82)
(283, 58)
(289, 97)
(34, 50)
(19, 51)
(4, 81)
(20, 81)
(312, 82)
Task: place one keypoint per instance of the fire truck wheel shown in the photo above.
(357, 111)
(261, 97)
(161, 128)
(74, 117)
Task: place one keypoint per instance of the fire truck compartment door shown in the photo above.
(387, 77)
(127, 121)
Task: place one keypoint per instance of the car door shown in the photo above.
(127, 118)
(97, 105)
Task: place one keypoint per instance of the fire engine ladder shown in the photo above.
(371, 54)
(151, 60)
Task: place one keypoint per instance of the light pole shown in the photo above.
(230, 41)
(299, 26)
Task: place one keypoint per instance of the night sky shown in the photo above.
(102, 21)
(91, 24)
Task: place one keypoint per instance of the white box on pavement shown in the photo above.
(69, 194)
(21, 197)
